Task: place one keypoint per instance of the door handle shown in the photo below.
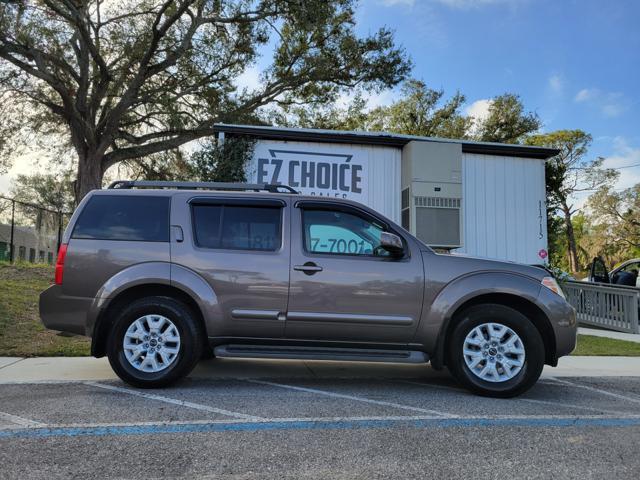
(308, 268)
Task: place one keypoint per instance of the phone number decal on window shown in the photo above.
(339, 245)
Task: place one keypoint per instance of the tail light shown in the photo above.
(60, 263)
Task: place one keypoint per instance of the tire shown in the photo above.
(500, 380)
(171, 366)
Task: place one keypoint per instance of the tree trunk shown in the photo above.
(572, 249)
(90, 175)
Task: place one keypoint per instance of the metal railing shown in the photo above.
(613, 307)
(29, 232)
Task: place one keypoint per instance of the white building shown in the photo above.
(484, 199)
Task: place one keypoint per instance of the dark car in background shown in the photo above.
(625, 274)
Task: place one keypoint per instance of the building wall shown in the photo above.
(504, 208)
(29, 245)
(364, 173)
(503, 198)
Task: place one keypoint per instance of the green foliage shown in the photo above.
(54, 192)
(123, 80)
(223, 162)
(615, 219)
(506, 122)
(169, 165)
(567, 173)
(422, 111)
(328, 117)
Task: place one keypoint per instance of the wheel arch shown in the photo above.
(128, 295)
(520, 304)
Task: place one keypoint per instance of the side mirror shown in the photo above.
(392, 243)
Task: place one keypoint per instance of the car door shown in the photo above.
(599, 272)
(344, 287)
(630, 269)
(239, 246)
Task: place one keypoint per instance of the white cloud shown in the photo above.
(610, 104)
(478, 109)
(556, 83)
(624, 156)
(586, 94)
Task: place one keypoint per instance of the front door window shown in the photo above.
(341, 233)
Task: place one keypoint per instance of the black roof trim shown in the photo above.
(380, 138)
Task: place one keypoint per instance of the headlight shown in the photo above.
(552, 285)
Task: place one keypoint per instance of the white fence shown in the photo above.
(603, 305)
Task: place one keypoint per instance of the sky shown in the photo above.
(576, 63)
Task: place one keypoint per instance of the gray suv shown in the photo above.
(159, 274)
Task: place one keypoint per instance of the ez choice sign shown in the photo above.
(329, 174)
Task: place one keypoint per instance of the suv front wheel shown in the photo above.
(495, 351)
(154, 342)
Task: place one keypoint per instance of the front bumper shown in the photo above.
(62, 312)
(562, 317)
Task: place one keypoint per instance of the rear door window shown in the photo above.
(124, 217)
(237, 227)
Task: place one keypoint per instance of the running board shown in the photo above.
(319, 353)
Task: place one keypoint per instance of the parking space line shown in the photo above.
(173, 401)
(236, 426)
(430, 385)
(24, 422)
(353, 397)
(594, 389)
(569, 405)
(400, 418)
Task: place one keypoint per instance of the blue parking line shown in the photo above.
(98, 431)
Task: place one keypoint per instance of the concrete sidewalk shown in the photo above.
(69, 369)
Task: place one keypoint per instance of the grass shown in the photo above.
(597, 346)
(23, 335)
(21, 332)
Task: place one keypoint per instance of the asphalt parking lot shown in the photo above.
(336, 424)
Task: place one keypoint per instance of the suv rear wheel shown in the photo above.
(495, 351)
(154, 342)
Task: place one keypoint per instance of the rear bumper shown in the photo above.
(64, 313)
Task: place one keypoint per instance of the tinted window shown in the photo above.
(119, 217)
(237, 227)
(341, 233)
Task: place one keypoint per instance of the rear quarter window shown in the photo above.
(120, 217)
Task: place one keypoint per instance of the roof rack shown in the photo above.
(256, 187)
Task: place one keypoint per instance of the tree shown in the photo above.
(223, 162)
(618, 213)
(46, 190)
(422, 111)
(353, 116)
(506, 121)
(123, 80)
(568, 173)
